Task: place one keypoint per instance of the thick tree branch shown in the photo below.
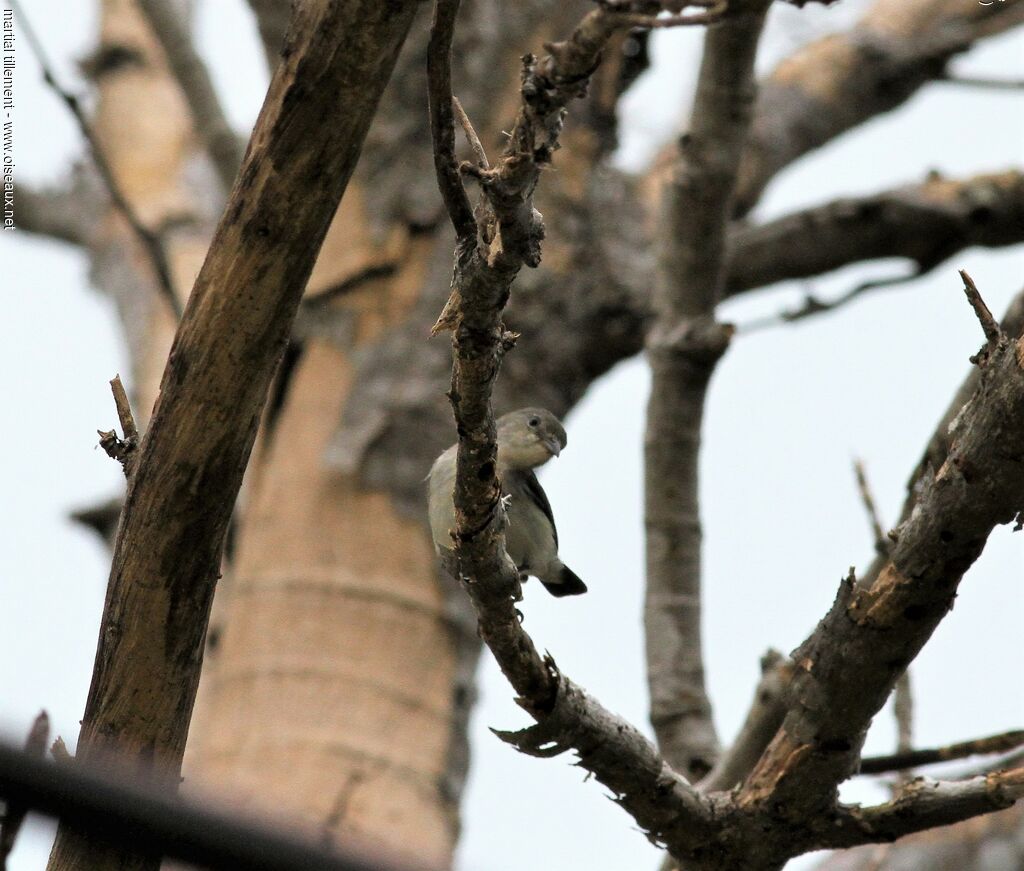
(168, 552)
(924, 223)
(683, 346)
(150, 241)
(211, 124)
(843, 80)
(882, 627)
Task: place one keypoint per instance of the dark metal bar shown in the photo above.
(156, 823)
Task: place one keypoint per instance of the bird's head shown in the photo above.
(529, 437)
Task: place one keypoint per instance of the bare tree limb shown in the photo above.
(881, 540)
(926, 804)
(763, 719)
(683, 346)
(925, 223)
(883, 625)
(843, 80)
(904, 760)
(510, 232)
(938, 447)
(442, 124)
(167, 556)
(211, 124)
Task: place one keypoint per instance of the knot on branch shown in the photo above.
(701, 341)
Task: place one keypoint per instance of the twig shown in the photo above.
(442, 124)
(814, 306)
(903, 710)
(983, 82)
(211, 123)
(881, 539)
(1000, 743)
(989, 325)
(124, 450)
(471, 135)
(1013, 759)
(151, 241)
(14, 810)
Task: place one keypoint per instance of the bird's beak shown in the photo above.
(553, 445)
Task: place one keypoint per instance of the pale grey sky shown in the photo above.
(789, 408)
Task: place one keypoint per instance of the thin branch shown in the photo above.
(124, 450)
(138, 819)
(926, 804)
(15, 810)
(983, 82)
(683, 347)
(903, 710)
(989, 325)
(868, 500)
(211, 123)
(151, 242)
(471, 135)
(442, 124)
(1000, 743)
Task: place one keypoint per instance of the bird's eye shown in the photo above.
(534, 421)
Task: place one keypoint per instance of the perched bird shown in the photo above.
(527, 438)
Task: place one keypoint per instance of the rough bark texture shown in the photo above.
(881, 628)
(168, 549)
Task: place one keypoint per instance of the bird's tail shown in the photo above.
(568, 584)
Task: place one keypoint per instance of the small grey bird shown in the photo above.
(527, 438)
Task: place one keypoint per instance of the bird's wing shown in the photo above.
(539, 498)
